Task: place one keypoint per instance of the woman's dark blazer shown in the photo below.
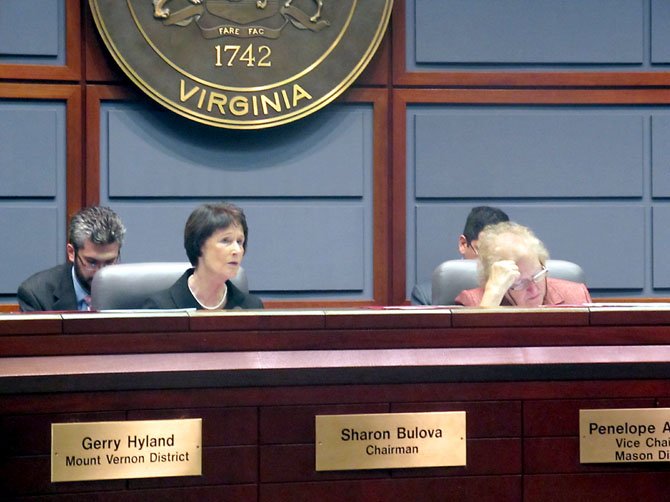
(178, 296)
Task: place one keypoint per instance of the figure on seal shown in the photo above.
(162, 12)
(317, 14)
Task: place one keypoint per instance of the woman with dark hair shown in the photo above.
(215, 239)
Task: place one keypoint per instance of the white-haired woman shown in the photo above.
(512, 272)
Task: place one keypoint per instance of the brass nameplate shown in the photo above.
(121, 450)
(390, 440)
(624, 435)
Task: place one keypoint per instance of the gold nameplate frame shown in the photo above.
(390, 440)
(83, 451)
(624, 435)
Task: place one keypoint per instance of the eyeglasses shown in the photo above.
(92, 264)
(476, 251)
(524, 283)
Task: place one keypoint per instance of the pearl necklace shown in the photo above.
(215, 307)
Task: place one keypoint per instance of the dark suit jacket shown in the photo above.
(50, 289)
(178, 296)
(559, 292)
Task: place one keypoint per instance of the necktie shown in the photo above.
(87, 302)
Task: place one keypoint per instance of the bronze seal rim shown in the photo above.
(231, 120)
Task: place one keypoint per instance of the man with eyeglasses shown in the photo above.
(513, 273)
(95, 236)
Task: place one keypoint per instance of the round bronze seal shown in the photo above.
(242, 64)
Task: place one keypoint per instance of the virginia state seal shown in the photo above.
(242, 64)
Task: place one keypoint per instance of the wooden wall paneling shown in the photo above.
(317, 395)
(100, 65)
(275, 469)
(484, 457)
(283, 467)
(398, 237)
(72, 68)
(484, 419)
(221, 425)
(381, 196)
(561, 454)
(232, 465)
(27, 435)
(401, 98)
(30, 476)
(398, 41)
(94, 96)
(378, 71)
(613, 487)
(561, 417)
(295, 424)
(92, 334)
(470, 488)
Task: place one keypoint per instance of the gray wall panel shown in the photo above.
(309, 247)
(511, 153)
(26, 252)
(661, 246)
(150, 154)
(608, 241)
(306, 189)
(32, 31)
(32, 148)
(529, 31)
(660, 34)
(155, 232)
(437, 229)
(301, 248)
(582, 234)
(660, 165)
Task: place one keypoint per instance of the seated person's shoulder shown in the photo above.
(48, 276)
(161, 300)
(37, 291)
(572, 292)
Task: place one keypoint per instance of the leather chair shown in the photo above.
(453, 276)
(421, 294)
(127, 285)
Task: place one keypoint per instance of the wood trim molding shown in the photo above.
(534, 96)
(380, 191)
(95, 94)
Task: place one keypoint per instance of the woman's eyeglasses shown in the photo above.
(524, 283)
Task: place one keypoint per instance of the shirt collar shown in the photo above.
(79, 292)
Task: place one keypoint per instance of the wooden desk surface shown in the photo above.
(392, 328)
(258, 379)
